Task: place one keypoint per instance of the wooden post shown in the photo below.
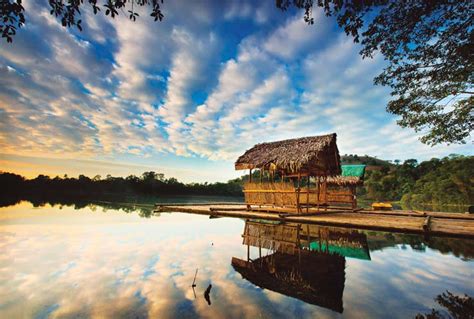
(298, 207)
(354, 197)
(298, 242)
(320, 245)
(319, 191)
(245, 195)
(426, 224)
(248, 244)
(309, 237)
(307, 193)
(325, 178)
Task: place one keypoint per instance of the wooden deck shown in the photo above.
(426, 223)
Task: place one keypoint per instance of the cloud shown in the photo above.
(207, 86)
(296, 37)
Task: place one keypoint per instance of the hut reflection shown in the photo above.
(302, 261)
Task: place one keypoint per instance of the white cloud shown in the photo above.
(296, 37)
(191, 88)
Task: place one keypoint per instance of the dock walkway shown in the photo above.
(426, 223)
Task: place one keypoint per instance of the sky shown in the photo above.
(188, 95)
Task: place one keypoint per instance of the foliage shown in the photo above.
(69, 12)
(365, 159)
(438, 181)
(429, 47)
(458, 307)
(150, 183)
(12, 17)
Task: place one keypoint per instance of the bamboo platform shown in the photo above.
(416, 222)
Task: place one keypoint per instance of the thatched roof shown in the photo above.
(352, 175)
(315, 278)
(316, 155)
(344, 180)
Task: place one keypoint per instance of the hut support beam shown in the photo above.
(307, 194)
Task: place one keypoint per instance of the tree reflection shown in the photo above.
(457, 307)
(145, 209)
(462, 248)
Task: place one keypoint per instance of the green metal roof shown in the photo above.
(352, 252)
(353, 170)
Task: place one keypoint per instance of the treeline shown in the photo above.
(449, 180)
(148, 184)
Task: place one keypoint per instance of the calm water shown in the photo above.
(64, 262)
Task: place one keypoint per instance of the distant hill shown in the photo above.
(365, 159)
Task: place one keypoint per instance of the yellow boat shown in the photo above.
(382, 206)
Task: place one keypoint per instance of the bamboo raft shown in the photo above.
(416, 222)
(302, 181)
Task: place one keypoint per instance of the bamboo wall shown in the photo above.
(284, 194)
(273, 237)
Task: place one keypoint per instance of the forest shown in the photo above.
(449, 180)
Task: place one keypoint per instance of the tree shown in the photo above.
(69, 12)
(428, 45)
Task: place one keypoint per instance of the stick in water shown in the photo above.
(194, 281)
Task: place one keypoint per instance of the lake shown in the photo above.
(123, 261)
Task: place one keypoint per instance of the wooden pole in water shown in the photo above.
(320, 245)
(250, 176)
(308, 235)
(246, 232)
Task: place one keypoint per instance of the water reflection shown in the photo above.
(456, 306)
(306, 262)
(462, 248)
(144, 206)
(131, 205)
(290, 266)
(85, 263)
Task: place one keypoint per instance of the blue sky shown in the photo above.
(188, 95)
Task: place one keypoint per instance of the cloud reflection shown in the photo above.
(79, 263)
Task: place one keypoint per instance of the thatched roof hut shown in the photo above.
(352, 175)
(313, 277)
(314, 155)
